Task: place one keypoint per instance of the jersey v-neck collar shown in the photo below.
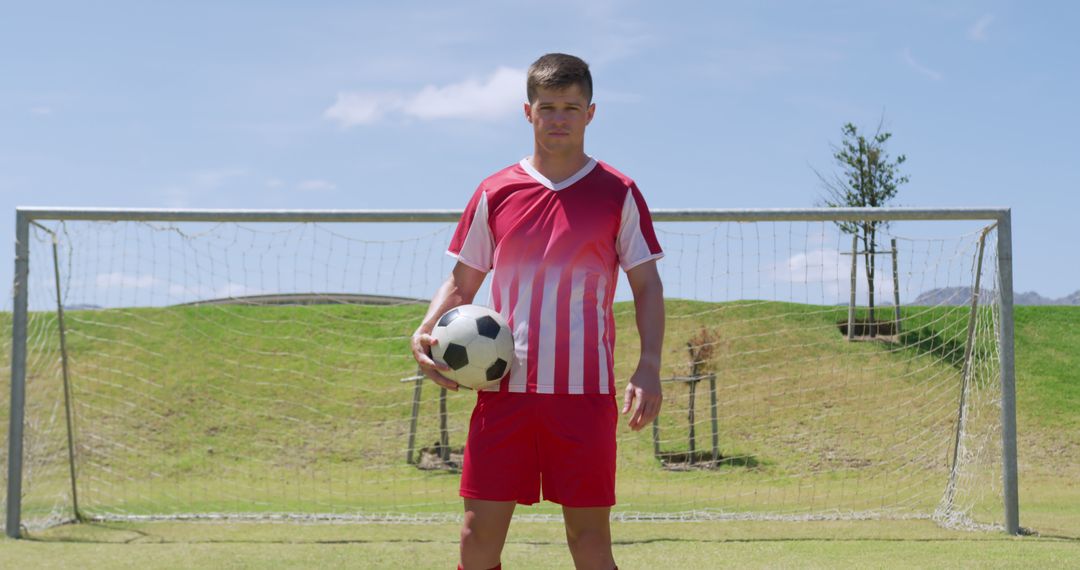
(535, 174)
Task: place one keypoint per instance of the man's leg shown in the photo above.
(588, 533)
(484, 532)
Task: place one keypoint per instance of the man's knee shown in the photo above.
(473, 533)
(481, 534)
(589, 539)
(471, 536)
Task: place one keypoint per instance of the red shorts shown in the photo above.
(563, 444)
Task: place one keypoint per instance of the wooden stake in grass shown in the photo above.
(700, 348)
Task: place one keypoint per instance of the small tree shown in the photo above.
(867, 178)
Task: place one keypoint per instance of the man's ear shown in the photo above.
(528, 112)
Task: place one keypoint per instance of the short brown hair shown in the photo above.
(558, 71)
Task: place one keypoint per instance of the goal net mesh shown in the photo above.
(262, 371)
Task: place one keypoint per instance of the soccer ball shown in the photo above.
(476, 343)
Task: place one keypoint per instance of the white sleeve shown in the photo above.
(633, 247)
(478, 246)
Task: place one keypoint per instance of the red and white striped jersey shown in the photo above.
(555, 250)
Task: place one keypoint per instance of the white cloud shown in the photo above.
(237, 290)
(119, 280)
(499, 95)
(207, 292)
(831, 271)
(918, 67)
(978, 31)
(352, 109)
(274, 183)
(315, 185)
(817, 266)
(41, 110)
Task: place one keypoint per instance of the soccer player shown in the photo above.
(554, 228)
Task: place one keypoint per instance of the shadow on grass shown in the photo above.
(437, 458)
(703, 460)
(944, 338)
(934, 343)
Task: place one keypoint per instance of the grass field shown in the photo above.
(535, 545)
(1048, 354)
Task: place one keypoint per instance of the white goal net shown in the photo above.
(224, 368)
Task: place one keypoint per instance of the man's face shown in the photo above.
(559, 118)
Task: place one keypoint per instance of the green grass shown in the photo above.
(188, 362)
(535, 545)
(1047, 364)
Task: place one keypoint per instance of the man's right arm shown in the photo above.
(458, 289)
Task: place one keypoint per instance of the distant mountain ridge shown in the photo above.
(962, 296)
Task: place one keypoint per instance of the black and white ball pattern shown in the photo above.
(476, 343)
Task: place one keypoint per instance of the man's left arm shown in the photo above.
(643, 393)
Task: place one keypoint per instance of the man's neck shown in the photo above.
(557, 167)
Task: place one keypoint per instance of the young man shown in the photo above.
(555, 228)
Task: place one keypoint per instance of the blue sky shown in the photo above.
(397, 105)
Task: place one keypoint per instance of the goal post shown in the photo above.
(198, 273)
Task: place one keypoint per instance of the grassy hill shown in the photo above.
(243, 408)
(1047, 365)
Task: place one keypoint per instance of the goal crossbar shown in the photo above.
(658, 214)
